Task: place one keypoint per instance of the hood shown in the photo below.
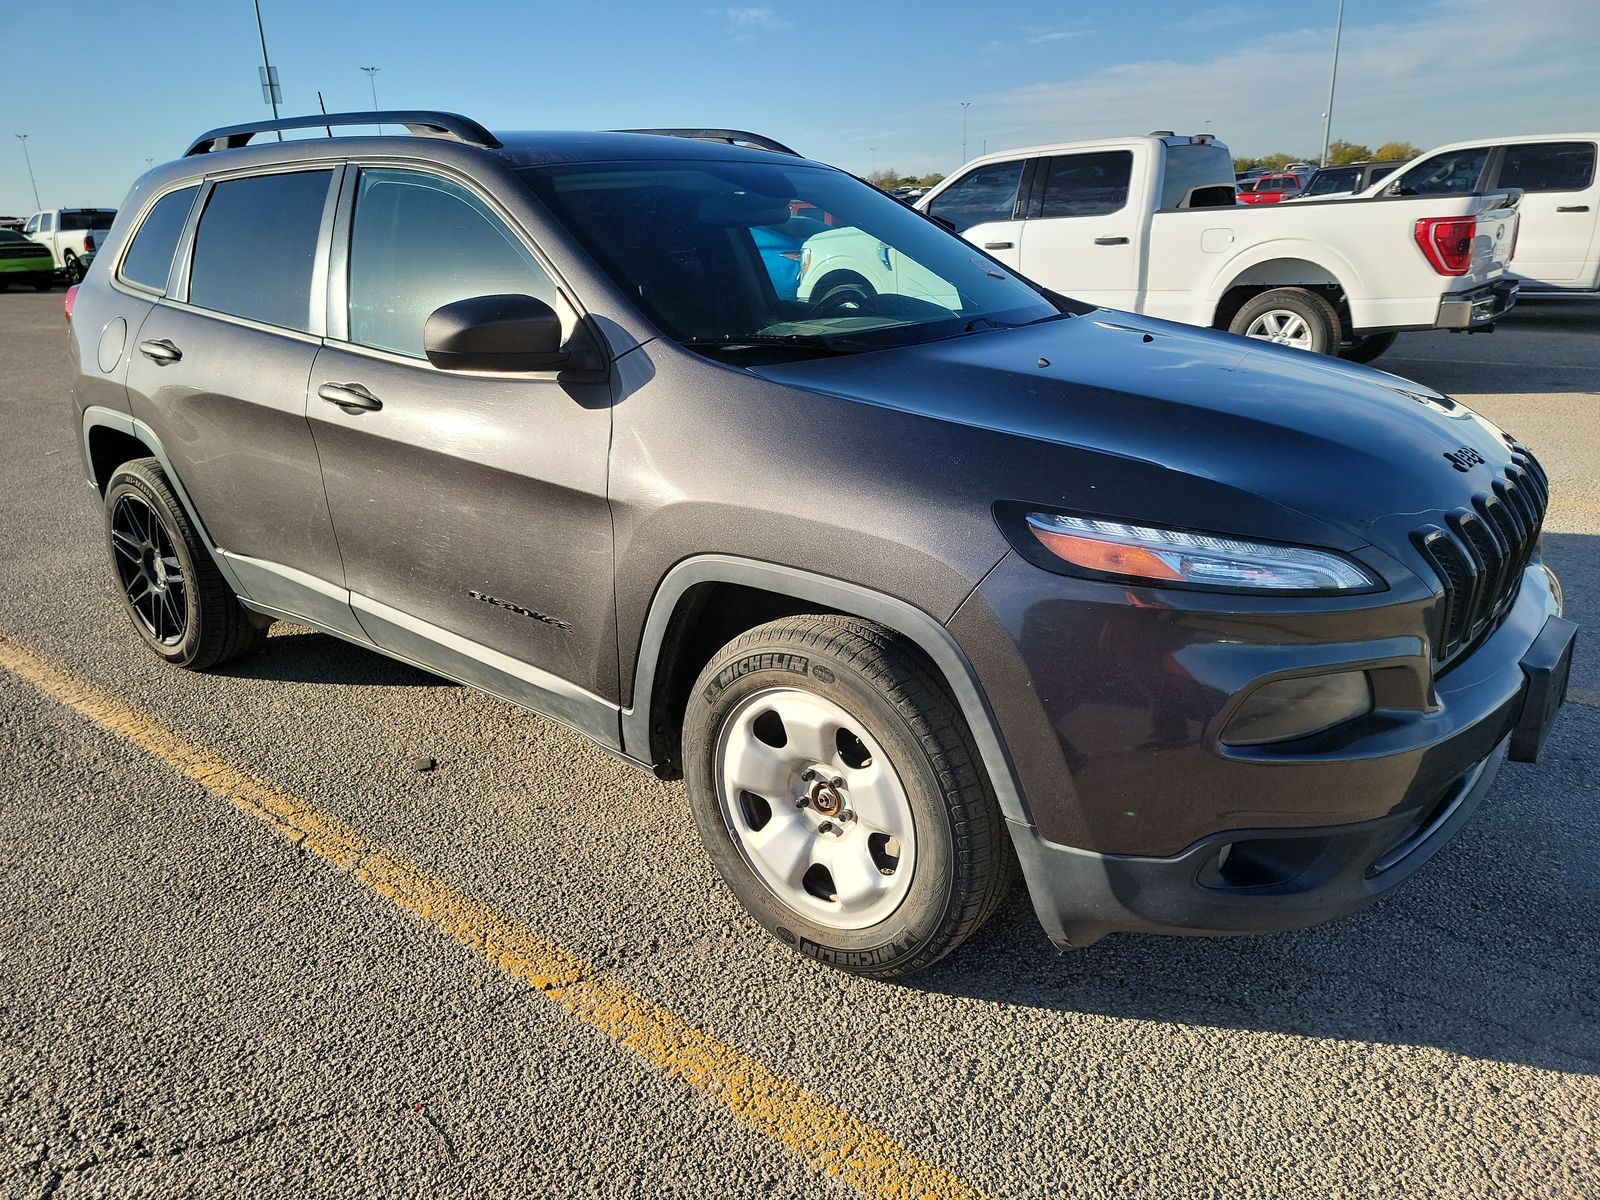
(1351, 447)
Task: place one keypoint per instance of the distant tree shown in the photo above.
(1347, 152)
(1272, 162)
(1397, 152)
(886, 178)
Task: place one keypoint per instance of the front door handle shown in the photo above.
(351, 397)
(1111, 241)
(998, 245)
(1573, 208)
(160, 351)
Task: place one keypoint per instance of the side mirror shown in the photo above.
(494, 333)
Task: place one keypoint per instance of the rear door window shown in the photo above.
(986, 194)
(149, 256)
(1087, 185)
(1548, 166)
(1451, 172)
(420, 242)
(256, 246)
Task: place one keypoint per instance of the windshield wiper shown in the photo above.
(827, 347)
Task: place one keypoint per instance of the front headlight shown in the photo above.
(1178, 558)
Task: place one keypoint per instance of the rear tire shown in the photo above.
(71, 267)
(1365, 349)
(180, 605)
(898, 852)
(1291, 316)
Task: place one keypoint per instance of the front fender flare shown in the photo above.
(931, 637)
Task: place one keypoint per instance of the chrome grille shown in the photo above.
(1480, 550)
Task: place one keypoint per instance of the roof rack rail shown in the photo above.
(419, 122)
(733, 137)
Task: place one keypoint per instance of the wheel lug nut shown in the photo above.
(808, 775)
(826, 827)
(803, 802)
(846, 816)
(836, 782)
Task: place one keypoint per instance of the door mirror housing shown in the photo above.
(494, 333)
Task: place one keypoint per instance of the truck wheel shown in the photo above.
(1365, 349)
(71, 267)
(177, 599)
(837, 791)
(843, 293)
(1291, 317)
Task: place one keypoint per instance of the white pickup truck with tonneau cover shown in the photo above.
(1149, 225)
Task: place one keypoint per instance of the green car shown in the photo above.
(23, 261)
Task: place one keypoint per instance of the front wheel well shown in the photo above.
(109, 449)
(707, 617)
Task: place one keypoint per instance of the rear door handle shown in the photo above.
(1111, 241)
(159, 350)
(999, 245)
(1573, 208)
(351, 397)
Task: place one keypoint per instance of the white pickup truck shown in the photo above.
(1149, 225)
(1558, 238)
(71, 235)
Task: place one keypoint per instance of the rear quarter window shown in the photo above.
(149, 256)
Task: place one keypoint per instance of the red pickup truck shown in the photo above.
(1269, 189)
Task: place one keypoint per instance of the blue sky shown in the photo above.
(854, 82)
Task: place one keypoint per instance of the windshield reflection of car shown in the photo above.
(708, 251)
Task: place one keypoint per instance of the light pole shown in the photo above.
(27, 158)
(1333, 78)
(372, 78)
(269, 75)
(965, 104)
(874, 150)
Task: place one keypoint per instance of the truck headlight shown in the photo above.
(1296, 708)
(1201, 560)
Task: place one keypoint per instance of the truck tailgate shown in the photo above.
(1495, 239)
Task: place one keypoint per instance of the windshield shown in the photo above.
(745, 259)
(86, 218)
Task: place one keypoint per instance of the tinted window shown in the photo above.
(1548, 167)
(1197, 177)
(1087, 185)
(149, 257)
(10, 236)
(420, 242)
(987, 194)
(1378, 173)
(256, 245)
(1331, 183)
(77, 220)
(1443, 174)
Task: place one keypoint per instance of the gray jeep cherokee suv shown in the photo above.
(1210, 636)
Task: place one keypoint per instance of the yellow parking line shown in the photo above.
(827, 1137)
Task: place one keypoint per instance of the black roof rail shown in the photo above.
(733, 137)
(419, 122)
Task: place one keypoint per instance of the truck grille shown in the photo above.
(1480, 552)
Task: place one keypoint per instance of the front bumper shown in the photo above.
(1478, 309)
(1144, 822)
(1243, 881)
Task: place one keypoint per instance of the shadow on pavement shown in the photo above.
(296, 655)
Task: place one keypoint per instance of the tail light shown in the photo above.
(72, 298)
(1446, 243)
(88, 243)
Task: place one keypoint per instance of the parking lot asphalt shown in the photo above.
(247, 948)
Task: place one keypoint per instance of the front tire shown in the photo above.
(1293, 317)
(181, 606)
(838, 793)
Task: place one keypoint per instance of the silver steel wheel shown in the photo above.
(815, 807)
(1283, 327)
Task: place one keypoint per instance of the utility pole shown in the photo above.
(965, 104)
(372, 78)
(1333, 78)
(27, 158)
(269, 74)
